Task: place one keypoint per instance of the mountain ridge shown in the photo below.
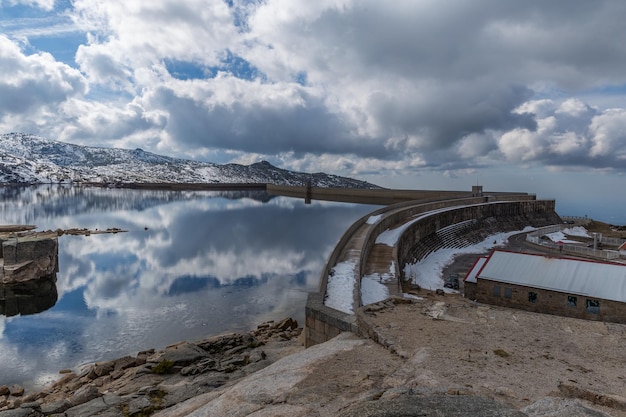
(32, 159)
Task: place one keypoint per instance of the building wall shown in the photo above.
(469, 290)
(549, 302)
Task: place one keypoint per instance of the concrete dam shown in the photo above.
(423, 221)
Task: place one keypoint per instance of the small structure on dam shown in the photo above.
(28, 269)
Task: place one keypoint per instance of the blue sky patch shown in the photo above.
(231, 63)
(240, 68)
(301, 78)
(39, 30)
(63, 48)
(186, 70)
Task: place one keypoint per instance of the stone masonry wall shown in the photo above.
(549, 302)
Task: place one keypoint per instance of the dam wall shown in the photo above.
(504, 211)
(378, 196)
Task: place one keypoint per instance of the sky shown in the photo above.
(523, 96)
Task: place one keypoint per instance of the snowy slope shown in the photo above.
(33, 159)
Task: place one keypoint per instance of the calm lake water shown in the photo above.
(192, 264)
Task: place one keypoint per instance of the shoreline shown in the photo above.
(441, 355)
(196, 367)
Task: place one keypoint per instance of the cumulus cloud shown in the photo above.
(353, 85)
(33, 82)
(43, 4)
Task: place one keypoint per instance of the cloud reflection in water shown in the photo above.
(190, 265)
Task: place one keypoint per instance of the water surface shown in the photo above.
(192, 264)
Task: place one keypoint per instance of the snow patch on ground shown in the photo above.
(390, 236)
(428, 272)
(559, 237)
(373, 290)
(340, 287)
(576, 231)
(411, 296)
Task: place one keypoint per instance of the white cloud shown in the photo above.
(145, 33)
(43, 4)
(347, 85)
(608, 134)
(32, 85)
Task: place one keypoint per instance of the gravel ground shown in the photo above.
(512, 356)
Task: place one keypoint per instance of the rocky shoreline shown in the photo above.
(439, 355)
(154, 380)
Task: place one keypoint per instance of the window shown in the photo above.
(508, 293)
(496, 291)
(532, 297)
(571, 301)
(593, 306)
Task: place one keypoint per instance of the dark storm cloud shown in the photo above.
(309, 127)
(454, 113)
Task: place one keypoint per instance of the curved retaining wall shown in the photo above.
(324, 323)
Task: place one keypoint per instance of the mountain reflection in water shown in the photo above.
(192, 264)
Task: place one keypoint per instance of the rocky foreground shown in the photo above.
(155, 380)
(441, 355)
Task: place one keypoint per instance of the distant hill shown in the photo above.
(29, 159)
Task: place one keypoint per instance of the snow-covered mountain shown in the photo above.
(29, 159)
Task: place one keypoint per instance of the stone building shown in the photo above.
(563, 286)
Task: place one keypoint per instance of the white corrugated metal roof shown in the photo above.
(572, 276)
(471, 275)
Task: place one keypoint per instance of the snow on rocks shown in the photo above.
(577, 231)
(559, 237)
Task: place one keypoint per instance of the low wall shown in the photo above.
(323, 323)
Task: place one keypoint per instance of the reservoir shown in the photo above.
(191, 264)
